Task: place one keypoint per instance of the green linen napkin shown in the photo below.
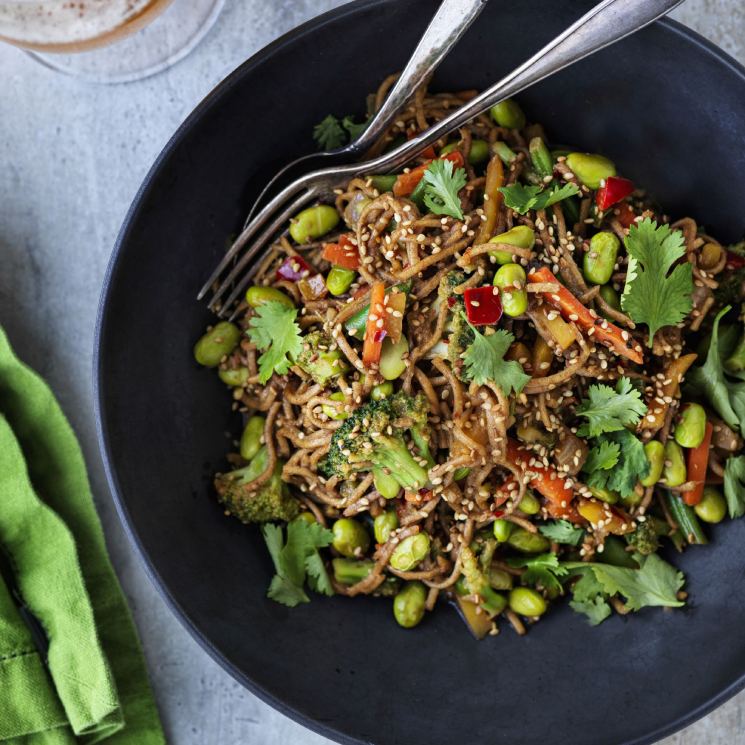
(93, 685)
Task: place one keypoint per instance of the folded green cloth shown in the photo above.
(93, 685)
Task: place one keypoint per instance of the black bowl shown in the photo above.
(670, 110)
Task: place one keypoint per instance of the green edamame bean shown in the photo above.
(217, 343)
(336, 413)
(410, 552)
(521, 236)
(655, 452)
(384, 183)
(599, 261)
(504, 151)
(384, 524)
(235, 377)
(461, 473)
(527, 602)
(381, 391)
(604, 495)
(251, 437)
(306, 517)
(529, 504)
(691, 426)
(609, 294)
(392, 358)
(590, 169)
(499, 579)
(313, 222)
(350, 537)
(451, 147)
(541, 157)
(258, 295)
(479, 152)
(508, 114)
(528, 543)
(502, 529)
(712, 508)
(339, 280)
(351, 571)
(408, 605)
(511, 280)
(385, 484)
(674, 472)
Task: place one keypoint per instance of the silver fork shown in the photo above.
(606, 23)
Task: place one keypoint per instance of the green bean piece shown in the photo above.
(258, 295)
(336, 413)
(599, 261)
(508, 114)
(570, 208)
(384, 524)
(355, 326)
(712, 508)
(461, 473)
(529, 504)
(216, 344)
(527, 602)
(234, 377)
(385, 484)
(604, 495)
(541, 157)
(691, 426)
(499, 579)
(503, 150)
(528, 543)
(674, 471)
(590, 169)
(609, 294)
(686, 519)
(381, 391)
(502, 529)
(479, 152)
(632, 499)
(408, 605)
(521, 236)
(313, 222)
(384, 183)
(339, 280)
(511, 281)
(251, 437)
(350, 537)
(412, 550)
(655, 452)
(351, 571)
(393, 358)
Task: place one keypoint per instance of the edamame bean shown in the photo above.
(503, 150)
(381, 391)
(599, 261)
(609, 294)
(655, 452)
(511, 281)
(384, 524)
(590, 169)
(392, 358)
(691, 426)
(674, 472)
(508, 114)
(604, 495)
(336, 413)
(499, 579)
(235, 376)
(410, 552)
(710, 255)
(339, 280)
(540, 156)
(258, 295)
(350, 537)
(712, 508)
(313, 222)
(351, 571)
(408, 605)
(385, 484)
(521, 236)
(384, 183)
(529, 504)
(461, 473)
(528, 543)
(306, 517)
(479, 152)
(502, 529)
(451, 147)
(217, 343)
(251, 437)
(527, 602)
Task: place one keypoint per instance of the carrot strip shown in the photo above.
(407, 182)
(374, 331)
(698, 462)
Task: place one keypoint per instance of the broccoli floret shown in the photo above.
(461, 337)
(731, 290)
(415, 408)
(271, 501)
(448, 284)
(644, 539)
(320, 358)
(371, 438)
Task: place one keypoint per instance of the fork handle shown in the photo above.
(445, 29)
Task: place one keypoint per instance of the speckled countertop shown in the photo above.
(71, 158)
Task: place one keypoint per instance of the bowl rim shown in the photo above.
(223, 88)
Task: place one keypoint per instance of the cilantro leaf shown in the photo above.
(589, 597)
(596, 610)
(522, 199)
(442, 185)
(609, 410)
(484, 360)
(734, 485)
(631, 466)
(328, 133)
(275, 333)
(651, 295)
(544, 570)
(603, 456)
(562, 531)
(354, 130)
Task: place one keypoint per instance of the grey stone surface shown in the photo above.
(71, 158)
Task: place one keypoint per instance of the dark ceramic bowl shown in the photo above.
(670, 110)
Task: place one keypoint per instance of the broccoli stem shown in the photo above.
(422, 445)
(395, 456)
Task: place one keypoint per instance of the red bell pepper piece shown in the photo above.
(613, 190)
(573, 310)
(698, 462)
(626, 215)
(375, 329)
(734, 261)
(294, 268)
(407, 182)
(483, 306)
(344, 253)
